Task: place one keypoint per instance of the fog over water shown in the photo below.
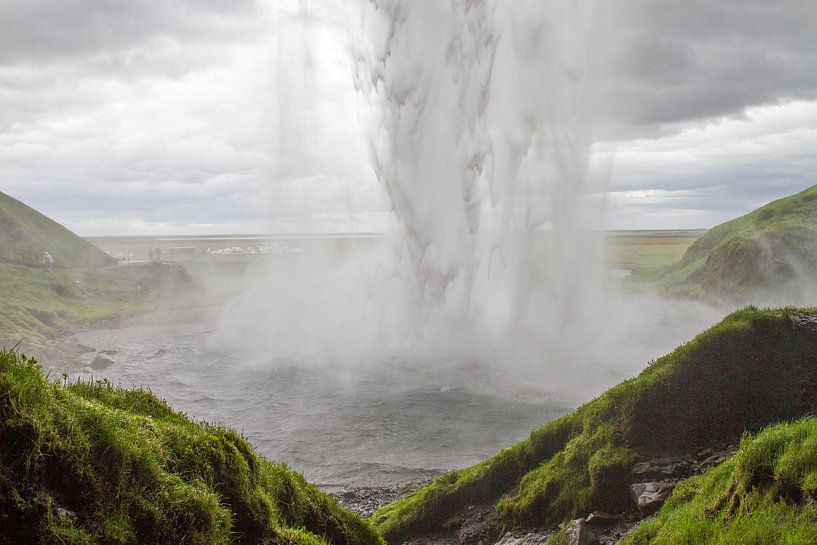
(305, 363)
(481, 118)
(485, 311)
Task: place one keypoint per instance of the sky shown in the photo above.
(240, 116)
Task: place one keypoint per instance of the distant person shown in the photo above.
(150, 254)
(48, 261)
(158, 254)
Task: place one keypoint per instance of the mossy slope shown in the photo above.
(134, 471)
(750, 370)
(769, 254)
(766, 493)
(23, 228)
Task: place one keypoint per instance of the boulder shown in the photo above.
(65, 513)
(101, 362)
(711, 458)
(576, 532)
(598, 519)
(512, 538)
(650, 496)
(661, 468)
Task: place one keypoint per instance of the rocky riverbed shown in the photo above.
(365, 500)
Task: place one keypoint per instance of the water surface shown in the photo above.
(394, 423)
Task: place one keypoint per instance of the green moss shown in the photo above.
(562, 488)
(739, 375)
(135, 471)
(765, 494)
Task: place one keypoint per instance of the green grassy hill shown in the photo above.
(767, 255)
(753, 369)
(37, 306)
(25, 234)
(87, 463)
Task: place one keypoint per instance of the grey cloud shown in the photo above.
(672, 61)
(90, 128)
(49, 30)
(727, 187)
(61, 58)
(88, 203)
(724, 201)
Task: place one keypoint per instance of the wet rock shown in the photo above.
(514, 538)
(101, 362)
(598, 519)
(650, 496)
(510, 538)
(805, 320)
(577, 532)
(65, 513)
(712, 456)
(715, 459)
(661, 469)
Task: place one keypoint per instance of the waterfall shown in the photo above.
(480, 136)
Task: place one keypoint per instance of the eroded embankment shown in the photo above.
(754, 368)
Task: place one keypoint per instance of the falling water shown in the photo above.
(481, 139)
(433, 71)
(357, 368)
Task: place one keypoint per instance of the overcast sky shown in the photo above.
(228, 116)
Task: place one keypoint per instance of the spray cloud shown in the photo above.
(480, 138)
